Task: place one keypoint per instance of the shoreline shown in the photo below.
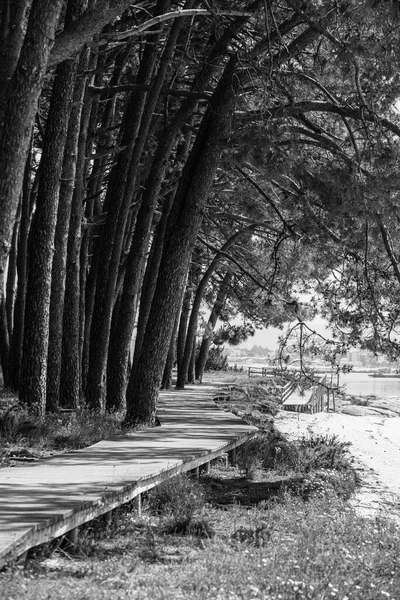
(375, 449)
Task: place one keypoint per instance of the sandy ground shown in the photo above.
(375, 447)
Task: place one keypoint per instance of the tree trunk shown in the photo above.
(118, 204)
(191, 330)
(22, 270)
(4, 342)
(141, 238)
(12, 29)
(36, 333)
(11, 288)
(183, 323)
(58, 278)
(222, 295)
(20, 109)
(184, 223)
(90, 232)
(169, 363)
(192, 364)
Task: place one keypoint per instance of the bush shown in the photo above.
(322, 459)
(269, 450)
(323, 452)
(16, 423)
(80, 429)
(216, 361)
(178, 500)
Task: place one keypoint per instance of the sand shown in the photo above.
(375, 448)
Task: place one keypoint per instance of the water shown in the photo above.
(359, 384)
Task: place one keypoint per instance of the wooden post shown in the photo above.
(138, 504)
(72, 539)
(232, 456)
(205, 468)
(21, 560)
(108, 518)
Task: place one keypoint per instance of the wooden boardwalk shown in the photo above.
(47, 499)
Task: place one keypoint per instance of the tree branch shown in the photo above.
(70, 41)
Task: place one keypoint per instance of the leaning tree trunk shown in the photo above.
(4, 342)
(192, 326)
(58, 279)
(23, 93)
(11, 287)
(184, 224)
(118, 204)
(139, 247)
(12, 29)
(222, 295)
(22, 264)
(36, 333)
(192, 364)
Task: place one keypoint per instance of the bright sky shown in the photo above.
(269, 337)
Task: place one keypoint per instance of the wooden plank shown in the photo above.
(47, 499)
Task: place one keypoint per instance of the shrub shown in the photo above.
(323, 452)
(269, 450)
(16, 423)
(178, 500)
(80, 429)
(217, 360)
(322, 459)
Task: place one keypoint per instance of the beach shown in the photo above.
(375, 448)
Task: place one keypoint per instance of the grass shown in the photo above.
(276, 527)
(284, 548)
(24, 436)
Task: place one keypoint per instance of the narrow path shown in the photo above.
(42, 501)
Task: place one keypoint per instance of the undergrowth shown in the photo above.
(322, 460)
(57, 431)
(281, 549)
(179, 502)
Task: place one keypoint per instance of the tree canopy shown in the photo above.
(164, 155)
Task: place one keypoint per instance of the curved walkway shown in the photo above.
(44, 500)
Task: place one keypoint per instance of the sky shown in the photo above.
(268, 337)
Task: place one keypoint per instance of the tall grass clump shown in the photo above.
(58, 431)
(80, 429)
(321, 460)
(17, 424)
(269, 450)
(179, 501)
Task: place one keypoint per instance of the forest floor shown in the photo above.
(264, 529)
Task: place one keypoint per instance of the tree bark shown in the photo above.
(192, 326)
(22, 270)
(20, 108)
(192, 364)
(4, 342)
(12, 29)
(184, 223)
(118, 204)
(36, 333)
(58, 278)
(222, 295)
(11, 287)
(141, 238)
